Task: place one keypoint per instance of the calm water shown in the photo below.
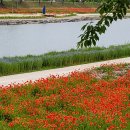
(41, 38)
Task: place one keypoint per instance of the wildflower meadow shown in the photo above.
(97, 99)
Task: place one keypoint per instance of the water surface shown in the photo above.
(19, 40)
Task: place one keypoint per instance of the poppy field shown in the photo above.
(96, 99)
(71, 10)
(54, 10)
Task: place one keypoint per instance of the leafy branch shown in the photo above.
(110, 10)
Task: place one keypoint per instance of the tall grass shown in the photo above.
(13, 65)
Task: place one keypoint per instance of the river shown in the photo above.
(35, 39)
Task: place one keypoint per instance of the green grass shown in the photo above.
(14, 65)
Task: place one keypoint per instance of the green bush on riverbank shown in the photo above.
(13, 65)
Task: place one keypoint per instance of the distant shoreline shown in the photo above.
(80, 17)
(21, 20)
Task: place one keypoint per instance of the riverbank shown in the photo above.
(17, 19)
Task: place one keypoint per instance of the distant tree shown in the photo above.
(1, 3)
(62, 2)
(73, 1)
(109, 10)
(20, 1)
(39, 1)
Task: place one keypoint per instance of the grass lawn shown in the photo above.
(97, 99)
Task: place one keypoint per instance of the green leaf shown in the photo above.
(94, 42)
(118, 8)
(84, 27)
(107, 23)
(110, 18)
(119, 16)
(103, 28)
(124, 10)
(115, 18)
(96, 37)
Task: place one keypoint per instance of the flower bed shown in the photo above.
(71, 10)
(49, 10)
(97, 99)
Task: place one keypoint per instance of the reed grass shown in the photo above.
(14, 65)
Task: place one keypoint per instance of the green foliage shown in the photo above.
(35, 91)
(110, 10)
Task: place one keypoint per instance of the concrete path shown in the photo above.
(58, 15)
(21, 78)
(40, 14)
(20, 15)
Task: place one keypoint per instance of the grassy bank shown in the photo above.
(98, 99)
(14, 65)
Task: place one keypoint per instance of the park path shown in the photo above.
(40, 14)
(21, 78)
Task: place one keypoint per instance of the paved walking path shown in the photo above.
(40, 14)
(21, 78)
